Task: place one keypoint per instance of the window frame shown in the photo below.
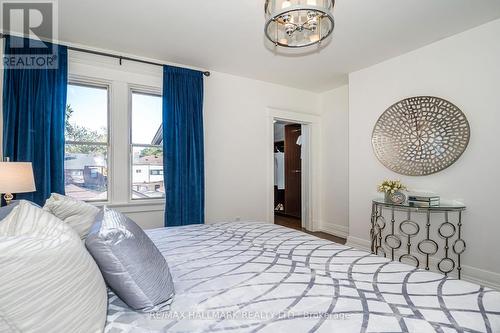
(81, 81)
(143, 90)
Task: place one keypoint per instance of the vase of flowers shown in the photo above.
(393, 190)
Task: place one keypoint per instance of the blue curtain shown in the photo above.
(183, 146)
(34, 103)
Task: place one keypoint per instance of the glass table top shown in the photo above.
(442, 205)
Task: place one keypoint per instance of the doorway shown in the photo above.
(288, 161)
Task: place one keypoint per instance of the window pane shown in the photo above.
(87, 114)
(147, 173)
(146, 119)
(86, 172)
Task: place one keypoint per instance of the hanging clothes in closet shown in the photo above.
(279, 170)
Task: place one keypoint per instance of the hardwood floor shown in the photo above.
(294, 223)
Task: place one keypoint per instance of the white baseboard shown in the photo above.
(469, 273)
(334, 229)
(481, 276)
(358, 243)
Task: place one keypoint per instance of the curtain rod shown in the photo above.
(120, 58)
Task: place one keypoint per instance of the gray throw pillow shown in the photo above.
(130, 263)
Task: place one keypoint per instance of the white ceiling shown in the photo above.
(227, 35)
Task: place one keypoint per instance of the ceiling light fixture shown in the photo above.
(298, 23)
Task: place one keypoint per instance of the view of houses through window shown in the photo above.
(86, 155)
(86, 159)
(147, 146)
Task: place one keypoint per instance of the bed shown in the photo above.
(258, 277)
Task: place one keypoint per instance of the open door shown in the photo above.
(293, 171)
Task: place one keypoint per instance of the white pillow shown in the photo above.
(48, 281)
(78, 214)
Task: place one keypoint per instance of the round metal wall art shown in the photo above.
(420, 136)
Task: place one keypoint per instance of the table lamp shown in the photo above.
(16, 177)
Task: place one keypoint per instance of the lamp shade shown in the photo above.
(16, 177)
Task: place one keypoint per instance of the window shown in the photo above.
(147, 146)
(86, 161)
(156, 172)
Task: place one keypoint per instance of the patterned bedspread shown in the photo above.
(256, 277)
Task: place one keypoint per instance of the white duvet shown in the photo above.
(256, 277)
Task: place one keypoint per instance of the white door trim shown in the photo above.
(310, 168)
